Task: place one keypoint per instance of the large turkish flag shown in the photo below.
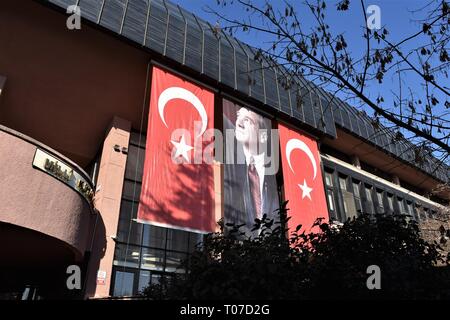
(303, 184)
(177, 185)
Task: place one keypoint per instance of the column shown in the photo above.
(107, 202)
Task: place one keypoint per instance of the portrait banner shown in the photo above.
(251, 163)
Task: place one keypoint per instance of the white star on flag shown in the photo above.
(182, 148)
(306, 191)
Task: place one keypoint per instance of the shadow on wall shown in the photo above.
(192, 195)
(96, 254)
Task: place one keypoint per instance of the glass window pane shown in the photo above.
(410, 208)
(401, 205)
(156, 278)
(135, 163)
(195, 240)
(144, 280)
(330, 200)
(349, 204)
(368, 206)
(356, 190)
(123, 283)
(380, 198)
(154, 237)
(131, 190)
(129, 231)
(357, 194)
(174, 260)
(152, 259)
(343, 183)
(177, 240)
(391, 202)
(138, 139)
(127, 256)
(329, 179)
(369, 193)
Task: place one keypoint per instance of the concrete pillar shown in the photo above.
(107, 201)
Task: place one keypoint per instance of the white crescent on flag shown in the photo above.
(181, 93)
(298, 144)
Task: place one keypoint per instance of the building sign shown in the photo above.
(63, 172)
(101, 277)
(303, 184)
(178, 182)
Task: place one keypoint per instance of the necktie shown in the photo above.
(254, 183)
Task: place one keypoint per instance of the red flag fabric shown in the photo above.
(177, 185)
(303, 184)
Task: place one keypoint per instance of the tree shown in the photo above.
(419, 111)
(330, 263)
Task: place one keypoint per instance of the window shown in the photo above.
(152, 259)
(127, 256)
(343, 182)
(174, 260)
(131, 190)
(380, 198)
(390, 200)
(154, 237)
(129, 231)
(368, 203)
(368, 190)
(343, 188)
(144, 253)
(135, 163)
(329, 190)
(177, 240)
(137, 139)
(329, 179)
(409, 208)
(347, 197)
(380, 205)
(401, 206)
(330, 200)
(145, 279)
(123, 283)
(357, 193)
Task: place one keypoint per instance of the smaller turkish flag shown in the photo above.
(303, 184)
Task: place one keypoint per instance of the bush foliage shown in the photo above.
(330, 263)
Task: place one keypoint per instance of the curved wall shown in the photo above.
(34, 199)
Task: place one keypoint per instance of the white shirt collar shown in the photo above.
(259, 159)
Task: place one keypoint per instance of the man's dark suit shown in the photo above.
(238, 203)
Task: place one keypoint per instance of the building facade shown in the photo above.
(75, 113)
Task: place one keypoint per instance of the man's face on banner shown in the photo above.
(248, 129)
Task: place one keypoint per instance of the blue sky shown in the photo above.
(396, 15)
